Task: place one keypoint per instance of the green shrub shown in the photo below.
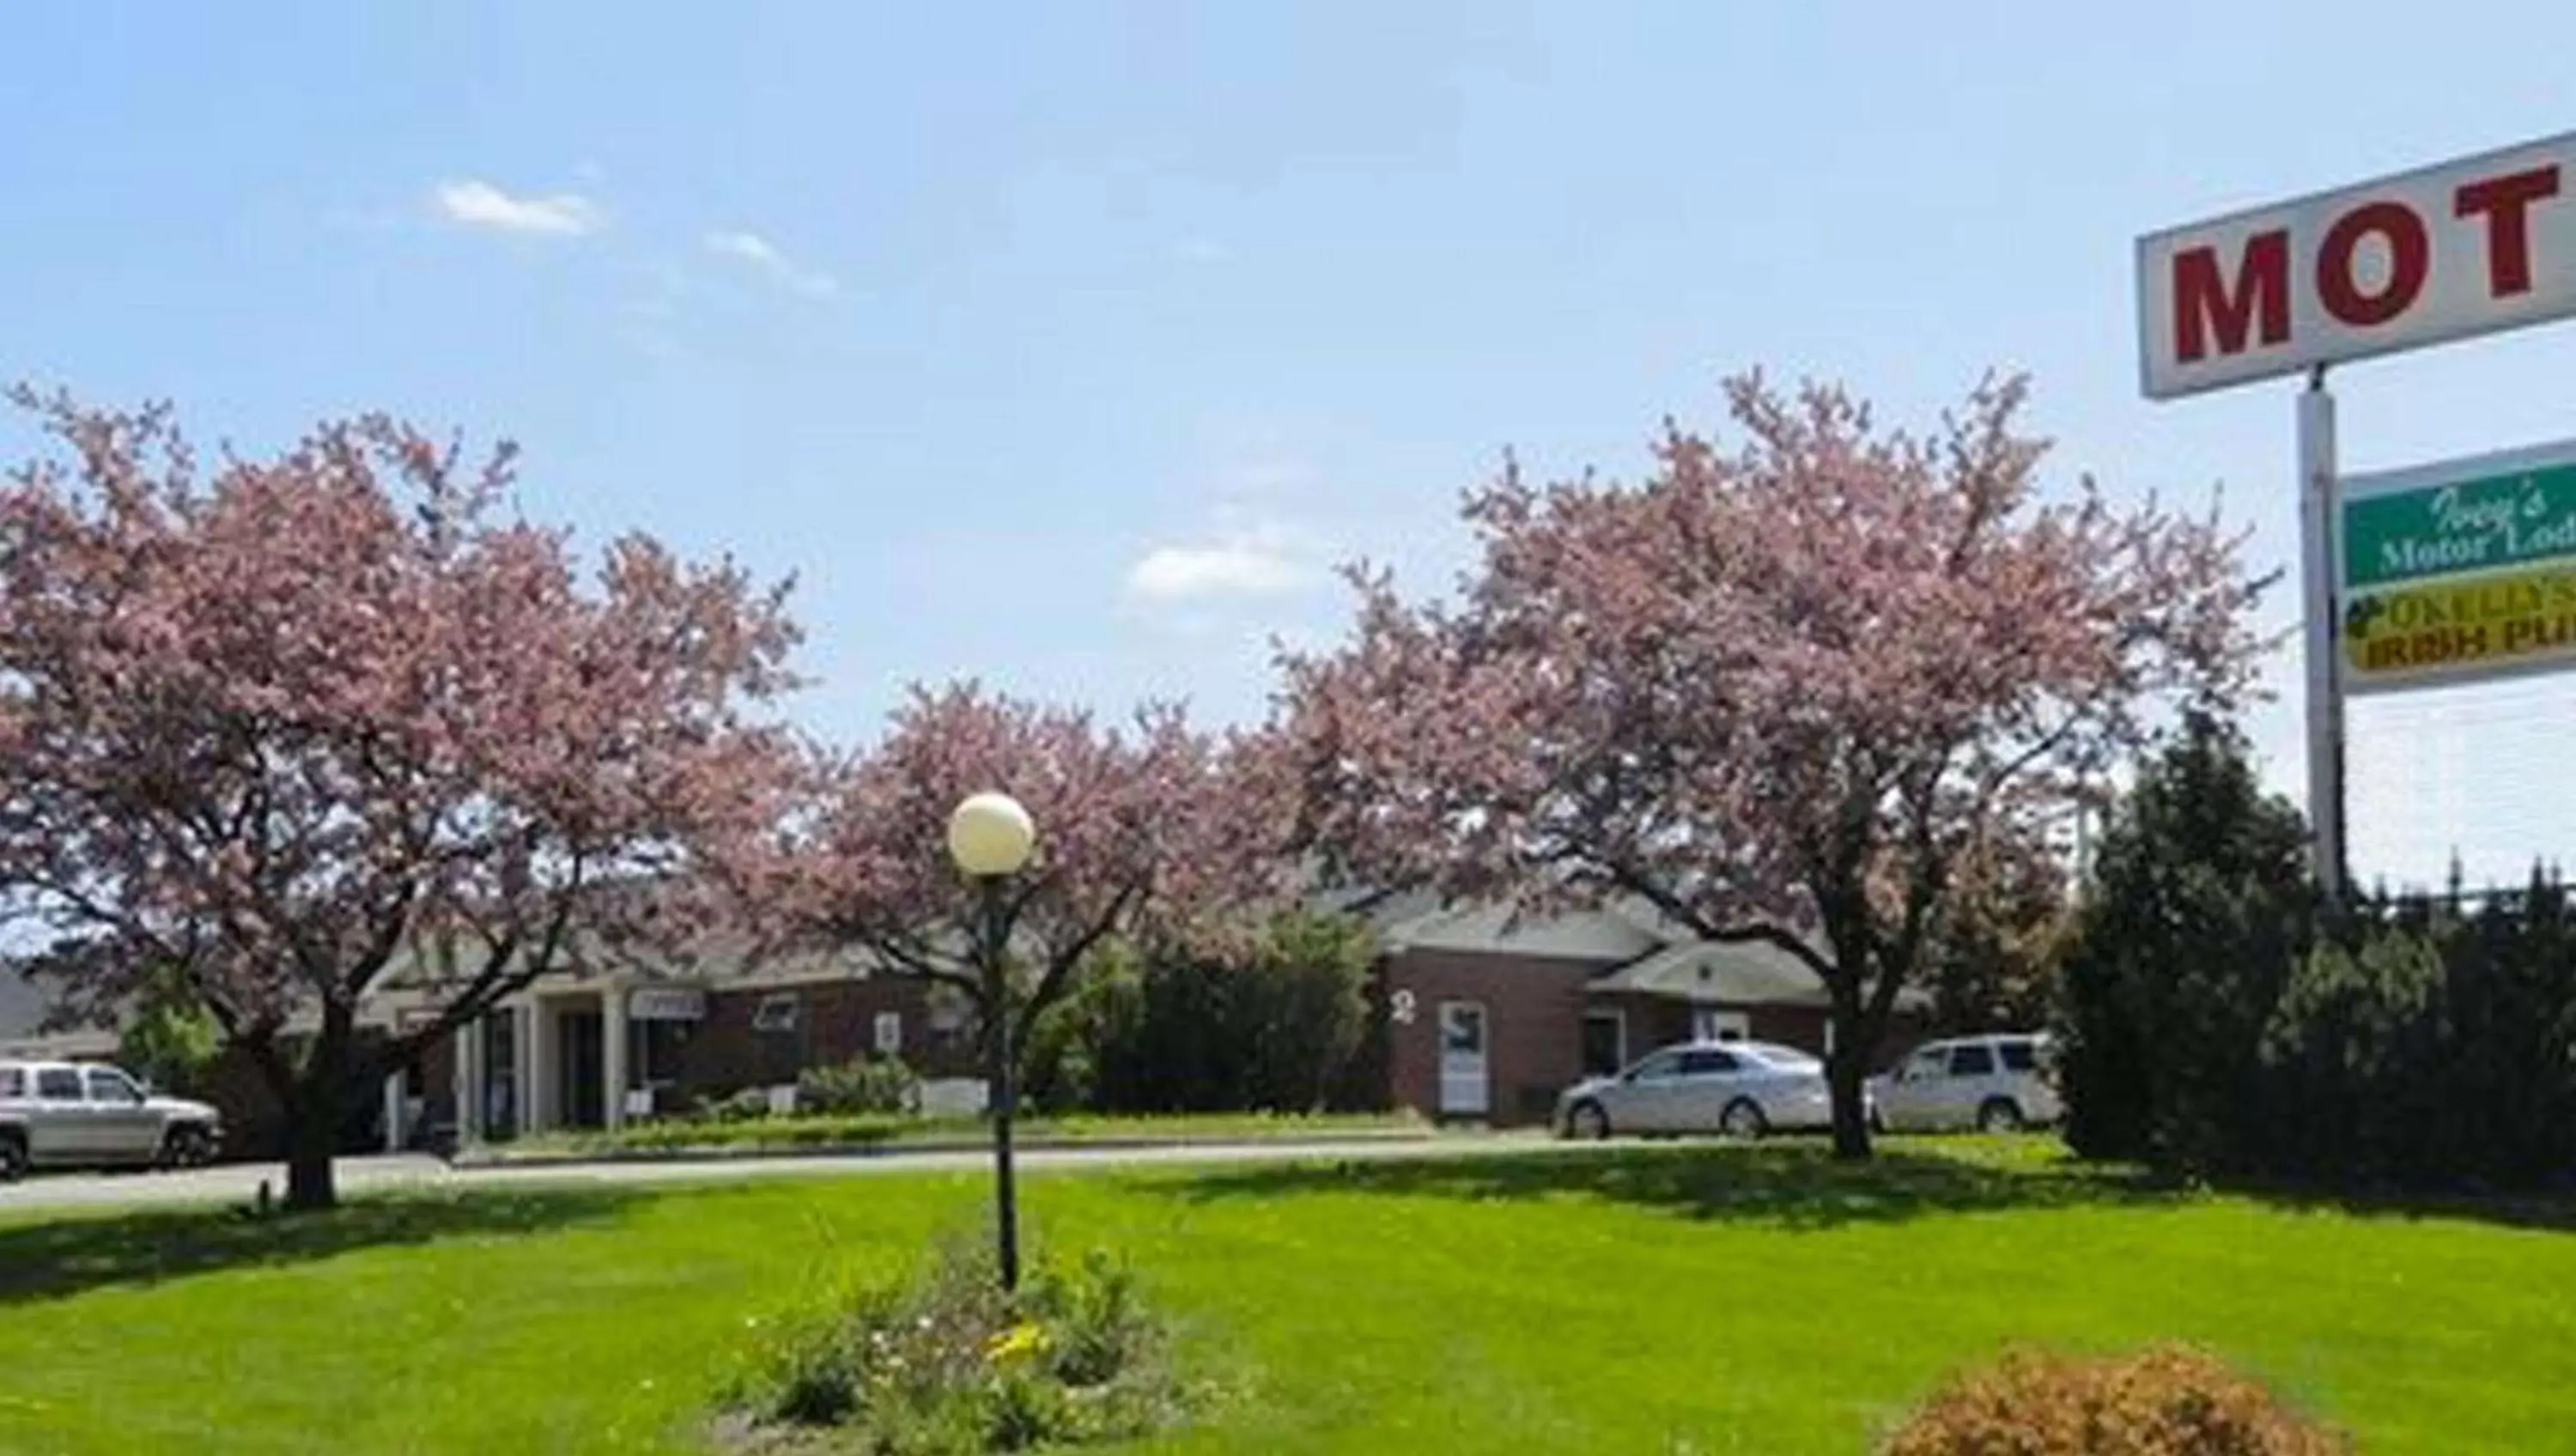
(2167, 1401)
(862, 1085)
(1275, 1029)
(948, 1362)
(2198, 907)
(748, 1105)
(170, 1039)
(2217, 1020)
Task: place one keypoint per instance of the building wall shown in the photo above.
(1534, 1009)
(1533, 1026)
(835, 1023)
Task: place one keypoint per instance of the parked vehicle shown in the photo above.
(1737, 1088)
(1998, 1083)
(72, 1114)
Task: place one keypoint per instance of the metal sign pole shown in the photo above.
(2324, 631)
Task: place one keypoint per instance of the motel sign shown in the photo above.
(2413, 578)
(2468, 247)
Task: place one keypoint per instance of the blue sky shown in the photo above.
(1069, 345)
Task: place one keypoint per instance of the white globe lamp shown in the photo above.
(990, 836)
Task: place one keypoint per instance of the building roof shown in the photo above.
(1729, 972)
(23, 1008)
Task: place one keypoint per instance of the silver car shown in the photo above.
(73, 1114)
(1998, 1083)
(1739, 1088)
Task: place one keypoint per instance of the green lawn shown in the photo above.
(1631, 1300)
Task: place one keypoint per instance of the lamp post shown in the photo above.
(989, 837)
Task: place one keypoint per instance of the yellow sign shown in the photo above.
(2468, 626)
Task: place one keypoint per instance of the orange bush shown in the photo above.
(2170, 1400)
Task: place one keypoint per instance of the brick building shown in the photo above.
(1486, 1018)
(1489, 1017)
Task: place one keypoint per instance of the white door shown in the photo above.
(1710, 1024)
(122, 1127)
(1465, 1090)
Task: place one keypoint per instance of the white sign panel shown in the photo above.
(2468, 247)
(666, 1003)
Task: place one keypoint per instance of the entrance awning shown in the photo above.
(1747, 973)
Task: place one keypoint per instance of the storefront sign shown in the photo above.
(2459, 570)
(2464, 248)
(2464, 516)
(2458, 628)
(666, 1003)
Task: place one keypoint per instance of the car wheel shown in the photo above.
(1587, 1121)
(187, 1147)
(2001, 1114)
(13, 1157)
(1743, 1119)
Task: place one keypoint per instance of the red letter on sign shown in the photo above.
(2507, 201)
(2204, 304)
(2410, 254)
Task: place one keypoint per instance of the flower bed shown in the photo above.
(950, 1363)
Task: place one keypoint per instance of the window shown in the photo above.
(1973, 1061)
(13, 1082)
(655, 1051)
(1929, 1064)
(1605, 1042)
(2020, 1056)
(1462, 1029)
(1662, 1066)
(106, 1084)
(775, 1013)
(888, 1038)
(1786, 1059)
(58, 1084)
(1707, 1064)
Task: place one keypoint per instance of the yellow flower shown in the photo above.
(1021, 1339)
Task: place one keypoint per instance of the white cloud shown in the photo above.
(477, 203)
(762, 256)
(1243, 568)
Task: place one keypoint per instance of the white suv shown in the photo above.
(1999, 1083)
(72, 1114)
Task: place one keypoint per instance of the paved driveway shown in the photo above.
(239, 1183)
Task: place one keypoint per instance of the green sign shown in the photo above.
(2480, 519)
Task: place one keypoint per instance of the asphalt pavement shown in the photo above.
(239, 1183)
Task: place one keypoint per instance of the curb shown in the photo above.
(1320, 1142)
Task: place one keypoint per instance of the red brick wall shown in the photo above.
(1533, 1026)
(1534, 1009)
(835, 1023)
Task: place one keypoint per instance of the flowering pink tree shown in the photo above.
(305, 725)
(1146, 833)
(1782, 694)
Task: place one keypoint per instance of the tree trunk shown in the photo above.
(1847, 1076)
(314, 1113)
(312, 1138)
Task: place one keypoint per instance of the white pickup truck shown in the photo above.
(74, 1114)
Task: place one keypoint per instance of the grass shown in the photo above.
(813, 1132)
(1657, 1300)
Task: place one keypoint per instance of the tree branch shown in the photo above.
(1062, 965)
